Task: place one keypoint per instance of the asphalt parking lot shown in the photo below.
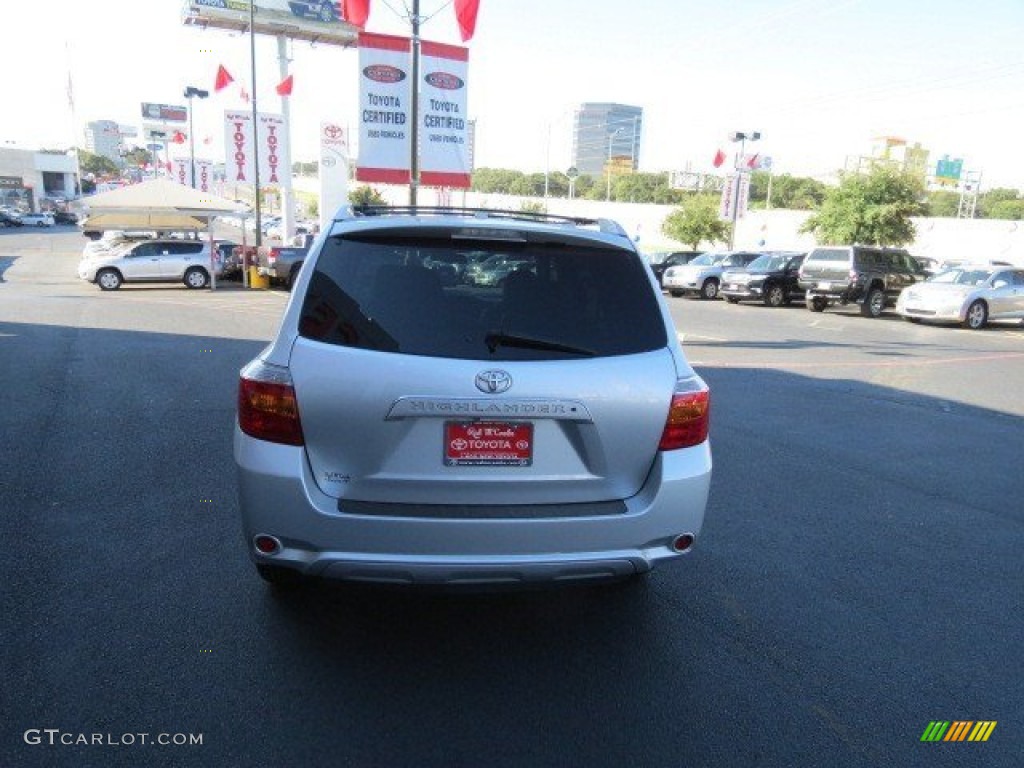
(857, 578)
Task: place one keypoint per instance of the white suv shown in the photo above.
(151, 261)
(402, 428)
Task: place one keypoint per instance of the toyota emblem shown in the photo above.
(493, 382)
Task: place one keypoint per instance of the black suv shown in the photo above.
(866, 275)
(771, 278)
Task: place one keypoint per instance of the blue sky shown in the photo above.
(818, 78)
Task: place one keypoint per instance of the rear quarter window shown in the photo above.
(542, 300)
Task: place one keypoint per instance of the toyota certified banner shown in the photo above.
(241, 151)
(444, 128)
(385, 101)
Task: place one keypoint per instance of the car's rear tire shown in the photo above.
(676, 294)
(874, 303)
(709, 290)
(196, 278)
(774, 295)
(817, 304)
(977, 316)
(109, 279)
(280, 577)
(293, 275)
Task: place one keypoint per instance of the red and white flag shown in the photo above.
(465, 14)
(356, 12)
(224, 79)
(752, 160)
(719, 159)
(284, 88)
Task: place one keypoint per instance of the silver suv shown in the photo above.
(401, 428)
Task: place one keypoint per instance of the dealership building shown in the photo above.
(28, 178)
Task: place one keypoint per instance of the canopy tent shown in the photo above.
(159, 204)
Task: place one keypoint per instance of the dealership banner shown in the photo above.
(241, 151)
(333, 170)
(385, 101)
(275, 168)
(181, 172)
(444, 129)
(239, 148)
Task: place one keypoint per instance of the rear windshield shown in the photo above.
(481, 300)
(829, 254)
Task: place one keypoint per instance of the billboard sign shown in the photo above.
(164, 113)
(385, 99)
(948, 171)
(318, 21)
(444, 138)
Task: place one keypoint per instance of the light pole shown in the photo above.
(608, 167)
(199, 93)
(737, 182)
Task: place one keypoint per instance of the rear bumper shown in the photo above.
(278, 497)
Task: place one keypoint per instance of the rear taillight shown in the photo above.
(274, 253)
(688, 416)
(267, 408)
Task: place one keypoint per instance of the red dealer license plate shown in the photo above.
(488, 443)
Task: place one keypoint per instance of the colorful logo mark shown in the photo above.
(958, 730)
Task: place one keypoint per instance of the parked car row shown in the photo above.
(10, 217)
(873, 278)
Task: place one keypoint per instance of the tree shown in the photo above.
(790, 192)
(645, 188)
(365, 195)
(695, 221)
(138, 156)
(1007, 209)
(942, 202)
(993, 200)
(873, 209)
(98, 165)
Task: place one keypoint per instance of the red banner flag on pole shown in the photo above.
(356, 12)
(465, 13)
(719, 159)
(752, 161)
(284, 88)
(224, 79)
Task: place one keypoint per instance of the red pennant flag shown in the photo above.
(752, 161)
(465, 13)
(224, 79)
(284, 88)
(178, 137)
(356, 12)
(719, 159)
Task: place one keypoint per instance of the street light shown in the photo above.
(737, 182)
(608, 191)
(198, 93)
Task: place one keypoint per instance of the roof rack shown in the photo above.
(606, 226)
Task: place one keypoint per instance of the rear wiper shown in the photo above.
(495, 339)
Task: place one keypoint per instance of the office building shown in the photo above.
(606, 135)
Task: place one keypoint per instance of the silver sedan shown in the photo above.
(969, 295)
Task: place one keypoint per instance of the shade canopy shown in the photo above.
(157, 204)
